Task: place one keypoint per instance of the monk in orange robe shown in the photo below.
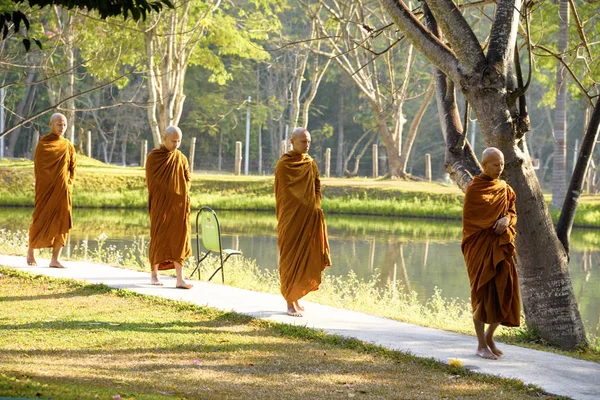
(54, 168)
(489, 220)
(302, 234)
(168, 180)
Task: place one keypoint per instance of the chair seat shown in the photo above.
(231, 252)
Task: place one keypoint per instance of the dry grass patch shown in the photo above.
(68, 340)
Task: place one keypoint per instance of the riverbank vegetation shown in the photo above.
(71, 340)
(98, 185)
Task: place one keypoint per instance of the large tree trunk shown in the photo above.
(559, 165)
(548, 298)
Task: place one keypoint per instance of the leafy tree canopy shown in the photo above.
(136, 9)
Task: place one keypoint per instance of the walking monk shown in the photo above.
(489, 219)
(54, 168)
(168, 179)
(302, 234)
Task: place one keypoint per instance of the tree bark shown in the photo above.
(559, 165)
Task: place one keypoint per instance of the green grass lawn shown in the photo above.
(66, 340)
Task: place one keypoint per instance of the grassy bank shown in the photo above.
(68, 340)
(98, 185)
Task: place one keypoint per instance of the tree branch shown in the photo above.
(503, 36)
(424, 41)
(567, 214)
(457, 32)
(48, 109)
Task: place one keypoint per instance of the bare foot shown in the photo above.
(56, 264)
(155, 281)
(184, 285)
(31, 258)
(292, 311)
(489, 340)
(486, 353)
(298, 306)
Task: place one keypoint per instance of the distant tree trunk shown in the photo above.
(339, 163)
(21, 107)
(559, 166)
(567, 215)
(69, 48)
(414, 126)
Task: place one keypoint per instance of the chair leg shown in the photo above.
(198, 265)
(214, 273)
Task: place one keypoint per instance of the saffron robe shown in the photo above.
(168, 180)
(302, 234)
(490, 258)
(54, 168)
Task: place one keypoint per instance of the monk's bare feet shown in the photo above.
(155, 281)
(56, 264)
(298, 306)
(292, 311)
(31, 258)
(184, 286)
(492, 345)
(486, 353)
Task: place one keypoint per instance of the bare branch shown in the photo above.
(55, 106)
(423, 40)
(457, 32)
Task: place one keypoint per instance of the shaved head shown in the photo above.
(491, 152)
(300, 140)
(172, 130)
(298, 131)
(58, 124)
(56, 116)
(172, 138)
(492, 162)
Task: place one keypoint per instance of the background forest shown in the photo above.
(340, 69)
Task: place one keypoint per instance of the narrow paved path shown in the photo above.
(554, 373)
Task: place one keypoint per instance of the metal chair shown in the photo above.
(207, 226)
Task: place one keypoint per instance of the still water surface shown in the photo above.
(421, 254)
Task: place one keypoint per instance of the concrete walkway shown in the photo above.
(556, 374)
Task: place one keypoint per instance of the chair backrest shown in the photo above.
(211, 232)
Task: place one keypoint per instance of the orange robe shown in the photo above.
(490, 258)
(168, 180)
(54, 166)
(302, 234)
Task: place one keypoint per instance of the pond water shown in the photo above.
(421, 254)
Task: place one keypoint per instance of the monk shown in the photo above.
(168, 180)
(489, 220)
(54, 169)
(302, 234)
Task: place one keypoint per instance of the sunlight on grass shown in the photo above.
(70, 340)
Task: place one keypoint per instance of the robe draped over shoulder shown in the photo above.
(495, 296)
(302, 234)
(54, 167)
(168, 180)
